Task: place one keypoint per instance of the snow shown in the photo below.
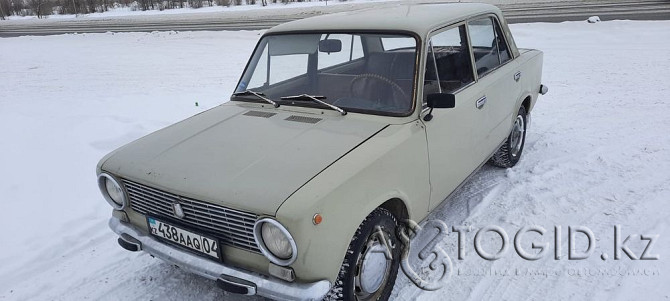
(597, 155)
(593, 19)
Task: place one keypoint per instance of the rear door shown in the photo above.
(497, 83)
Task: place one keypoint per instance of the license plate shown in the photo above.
(200, 243)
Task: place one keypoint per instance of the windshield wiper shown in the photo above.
(259, 95)
(315, 98)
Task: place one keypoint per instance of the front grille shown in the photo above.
(234, 228)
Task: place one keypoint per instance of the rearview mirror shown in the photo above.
(440, 101)
(330, 45)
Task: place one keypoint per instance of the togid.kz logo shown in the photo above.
(425, 241)
(439, 267)
(429, 266)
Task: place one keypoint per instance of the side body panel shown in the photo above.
(492, 123)
(531, 62)
(391, 165)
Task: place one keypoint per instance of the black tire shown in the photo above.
(510, 152)
(347, 286)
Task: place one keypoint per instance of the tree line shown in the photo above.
(44, 8)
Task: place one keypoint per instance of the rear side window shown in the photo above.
(488, 45)
(502, 45)
(484, 45)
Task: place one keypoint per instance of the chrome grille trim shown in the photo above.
(234, 227)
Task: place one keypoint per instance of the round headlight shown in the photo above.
(112, 191)
(275, 242)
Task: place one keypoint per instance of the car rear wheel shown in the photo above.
(509, 153)
(370, 266)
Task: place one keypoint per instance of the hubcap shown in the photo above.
(516, 139)
(372, 269)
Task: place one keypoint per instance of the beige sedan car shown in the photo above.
(341, 127)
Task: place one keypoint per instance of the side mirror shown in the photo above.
(330, 45)
(440, 101)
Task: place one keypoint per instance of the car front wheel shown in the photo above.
(370, 266)
(509, 153)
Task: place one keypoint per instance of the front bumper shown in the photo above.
(227, 277)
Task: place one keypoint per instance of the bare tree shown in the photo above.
(144, 4)
(90, 6)
(195, 3)
(3, 8)
(41, 8)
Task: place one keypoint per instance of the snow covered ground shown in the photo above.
(597, 155)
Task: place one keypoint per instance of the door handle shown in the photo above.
(481, 102)
(517, 76)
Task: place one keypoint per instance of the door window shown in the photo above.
(503, 49)
(448, 66)
(484, 45)
(488, 45)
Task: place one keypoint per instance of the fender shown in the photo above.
(391, 165)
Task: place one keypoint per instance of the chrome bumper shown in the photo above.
(225, 276)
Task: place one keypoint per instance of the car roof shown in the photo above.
(417, 18)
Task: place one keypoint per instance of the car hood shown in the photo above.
(243, 158)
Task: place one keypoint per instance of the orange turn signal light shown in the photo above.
(317, 219)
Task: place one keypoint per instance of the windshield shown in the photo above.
(367, 73)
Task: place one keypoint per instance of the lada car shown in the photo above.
(341, 128)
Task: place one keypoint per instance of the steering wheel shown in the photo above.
(368, 88)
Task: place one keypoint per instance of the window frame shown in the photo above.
(443, 28)
(495, 23)
(429, 45)
(496, 27)
(415, 75)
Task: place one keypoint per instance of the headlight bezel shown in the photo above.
(258, 236)
(102, 185)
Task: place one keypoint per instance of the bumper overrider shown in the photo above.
(228, 278)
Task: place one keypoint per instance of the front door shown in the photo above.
(450, 131)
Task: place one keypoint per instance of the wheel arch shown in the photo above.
(397, 207)
(527, 103)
